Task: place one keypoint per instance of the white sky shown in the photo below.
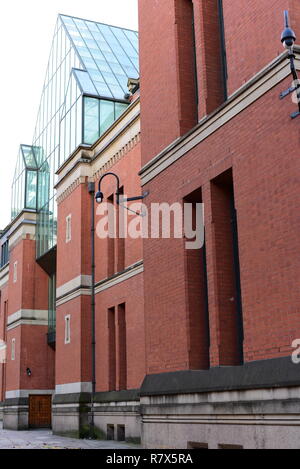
(26, 31)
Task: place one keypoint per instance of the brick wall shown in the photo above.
(129, 292)
(167, 73)
(267, 202)
(252, 30)
(28, 292)
(73, 360)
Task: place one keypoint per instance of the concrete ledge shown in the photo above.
(118, 396)
(273, 373)
(80, 398)
(18, 401)
(100, 397)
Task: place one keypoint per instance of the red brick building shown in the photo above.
(235, 315)
(193, 347)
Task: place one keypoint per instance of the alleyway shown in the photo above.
(44, 439)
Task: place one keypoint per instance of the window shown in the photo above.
(226, 247)
(4, 254)
(196, 445)
(111, 349)
(122, 347)
(68, 228)
(110, 432)
(197, 289)
(67, 329)
(117, 348)
(111, 254)
(13, 349)
(15, 273)
(121, 432)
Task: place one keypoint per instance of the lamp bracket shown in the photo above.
(285, 93)
(132, 199)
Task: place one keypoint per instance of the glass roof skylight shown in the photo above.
(108, 54)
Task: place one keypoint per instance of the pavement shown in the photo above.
(44, 439)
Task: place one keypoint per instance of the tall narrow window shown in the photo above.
(121, 236)
(68, 228)
(4, 254)
(13, 349)
(122, 348)
(111, 238)
(111, 349)
(67, 329)
(211, 55)
(196, 290)
(15, 272)
(228, 270)
(223, 49)
(51, 309)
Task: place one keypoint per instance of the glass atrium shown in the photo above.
(24, 189)
(83, 94)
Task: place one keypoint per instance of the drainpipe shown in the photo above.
(4, 366)
(91, 189)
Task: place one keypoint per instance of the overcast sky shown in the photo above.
(26, 31)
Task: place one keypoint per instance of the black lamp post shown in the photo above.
(91, 189)
(288, 39)
(99, 197)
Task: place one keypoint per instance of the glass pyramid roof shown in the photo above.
(108, 54)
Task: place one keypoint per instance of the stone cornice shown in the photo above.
(90, 164)
(80, 286)
(118, 156)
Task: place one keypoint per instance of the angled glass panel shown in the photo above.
(19, 187)
(103, 89)
(117, 91)
(107, 115)
(119, 109)
(44, 185)
(31, 189)
(91, 120)
(29, 156)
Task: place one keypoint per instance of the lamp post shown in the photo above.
(91, 189)
(99, 197)
(288, 39)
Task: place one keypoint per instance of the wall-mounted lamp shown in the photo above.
(288, 39)
(28, 371)
(100, 196)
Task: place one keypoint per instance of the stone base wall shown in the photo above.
(258, 419)
(116, 415)
(15, 414)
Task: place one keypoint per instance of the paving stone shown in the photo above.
(43, 439)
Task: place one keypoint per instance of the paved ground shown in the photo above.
(44, 439)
